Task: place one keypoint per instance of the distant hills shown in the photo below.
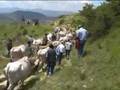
(48, 13)
(41, 15)
(18, 15)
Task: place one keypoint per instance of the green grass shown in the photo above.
(3, 62)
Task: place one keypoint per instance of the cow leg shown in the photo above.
(7, 84)
(21, 83)
(36, 67)
(11, 86)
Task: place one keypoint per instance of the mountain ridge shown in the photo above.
(49, 13)
(19, 15)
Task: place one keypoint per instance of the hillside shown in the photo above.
(18, 15)
(72, 20)
(51, 13)
(48, 13)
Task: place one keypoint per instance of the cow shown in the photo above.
(41, 54)
(18, 71)
(55, 43)
(37, 41)
(17, 52)
(65, 38)
(36, 44)
(62, 33)
(69, 35)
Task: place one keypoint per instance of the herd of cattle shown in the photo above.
(22, 66)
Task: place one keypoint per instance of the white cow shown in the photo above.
(18, 71)
(37, 41)
(69, 36)
(62, 33)
(55, 43)
(17, 52)
(36, 44)
(64, 28)
(42, 54)
(65, 38)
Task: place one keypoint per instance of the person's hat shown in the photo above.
(79, 26)
(51, 45)
(46, 33)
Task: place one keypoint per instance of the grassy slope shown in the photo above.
(98, 70)
(73, 20)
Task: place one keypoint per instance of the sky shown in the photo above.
(49, 5)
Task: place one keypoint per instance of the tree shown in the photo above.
(89, 12)
(115, 6)
(100, 19)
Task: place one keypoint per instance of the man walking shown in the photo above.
(51, 60)
(60, 49)
(45, 40)
(9, 46)
(82, 35)
(68, 47)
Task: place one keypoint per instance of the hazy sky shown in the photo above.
(49, 5)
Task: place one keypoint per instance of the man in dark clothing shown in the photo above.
(53, 37)
(9, 46)
(45, 40)
(51, 60)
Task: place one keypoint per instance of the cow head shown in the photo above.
(35, 63)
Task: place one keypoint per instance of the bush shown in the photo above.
(101, 19)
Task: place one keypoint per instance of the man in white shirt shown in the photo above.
(68, 46)
(82, 35)
(60, 49)
(78, 30)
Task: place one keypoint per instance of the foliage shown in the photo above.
(73, 20)
(102, 18)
